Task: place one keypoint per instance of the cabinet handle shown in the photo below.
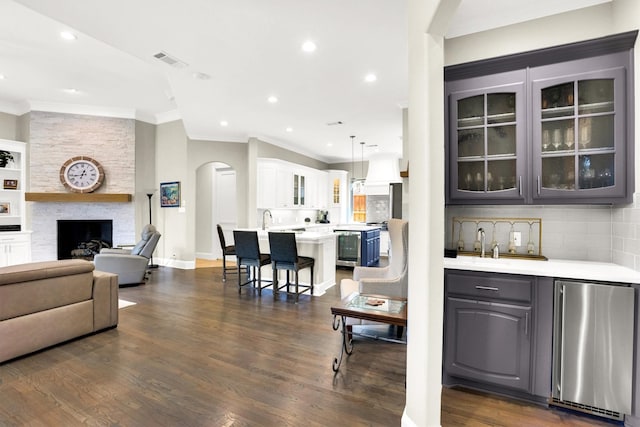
(538, 181)
(487, 288)
(526, 324)
(520, 185)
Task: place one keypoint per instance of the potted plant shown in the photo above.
(5, 157)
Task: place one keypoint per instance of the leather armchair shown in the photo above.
(129, 264)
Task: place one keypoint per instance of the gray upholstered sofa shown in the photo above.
(46, 303)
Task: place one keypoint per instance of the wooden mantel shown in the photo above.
(78, 197)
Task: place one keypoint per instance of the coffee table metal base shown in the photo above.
(357, 306)
(347, 342)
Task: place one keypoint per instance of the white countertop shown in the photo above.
(566, 269)
(304, 236)
(355, 227)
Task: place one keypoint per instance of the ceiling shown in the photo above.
(234, 54)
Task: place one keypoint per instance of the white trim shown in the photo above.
(89, 110)
(167, 116)
(176, 263)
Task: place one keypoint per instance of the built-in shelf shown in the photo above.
(78, 197)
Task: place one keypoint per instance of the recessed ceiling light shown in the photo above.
(369, 78)
(224, 123)
(308, 46)
(272, 99)
(71, 90)
(2, 77)
(68, 35)
(329, 144)
(289, 129)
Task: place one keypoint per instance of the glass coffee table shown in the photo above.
(376, 308)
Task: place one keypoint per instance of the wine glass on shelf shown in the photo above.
(467, 181)
(557, 139)
(569, 137)
(585, 132)
(546, 140)
(477, 245)
(479, 181)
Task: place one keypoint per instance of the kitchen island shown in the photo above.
(320, 245)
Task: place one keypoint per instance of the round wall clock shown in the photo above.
(81, 174)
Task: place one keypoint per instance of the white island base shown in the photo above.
(321, 246)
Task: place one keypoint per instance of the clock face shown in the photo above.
(81, 174)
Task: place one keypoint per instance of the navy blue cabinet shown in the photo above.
(370, 241)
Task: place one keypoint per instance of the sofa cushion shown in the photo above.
(43, 270)
(34, 287)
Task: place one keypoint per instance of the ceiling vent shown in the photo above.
(169, 59)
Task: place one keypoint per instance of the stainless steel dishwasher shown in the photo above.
(593, 348)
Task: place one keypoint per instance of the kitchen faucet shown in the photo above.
(481, 238)
(264, 214)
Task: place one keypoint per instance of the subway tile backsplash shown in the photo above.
(625, 246)
(587, 233)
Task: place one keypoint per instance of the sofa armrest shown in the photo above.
(105, 300)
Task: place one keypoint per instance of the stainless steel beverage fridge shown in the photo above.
(593, 348)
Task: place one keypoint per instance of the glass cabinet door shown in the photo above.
(578, 135)
(487, 139)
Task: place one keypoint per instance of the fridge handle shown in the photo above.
(561, 364)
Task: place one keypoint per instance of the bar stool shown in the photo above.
(227, 250)
(284, 256)
(248, 254)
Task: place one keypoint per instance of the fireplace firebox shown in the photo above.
(83, 238)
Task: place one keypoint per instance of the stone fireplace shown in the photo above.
(56, 137)
(46, 217)
(83, 238)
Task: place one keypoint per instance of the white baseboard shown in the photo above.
(175, 263)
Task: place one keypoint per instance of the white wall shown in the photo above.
(175, 248)
(205, 184)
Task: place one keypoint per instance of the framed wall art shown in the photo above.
(170, 194)
(5, 208)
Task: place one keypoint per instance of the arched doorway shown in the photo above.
(215, 204)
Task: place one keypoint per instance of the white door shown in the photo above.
(225, 206)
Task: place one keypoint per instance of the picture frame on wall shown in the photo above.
(10, 184)
(5, 208)
(170, 194)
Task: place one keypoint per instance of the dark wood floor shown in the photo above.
(193, 352)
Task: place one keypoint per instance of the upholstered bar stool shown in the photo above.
(248, 254)
(284, 256)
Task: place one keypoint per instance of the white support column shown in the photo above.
(427, 21)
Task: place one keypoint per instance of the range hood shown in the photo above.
(384, 169)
